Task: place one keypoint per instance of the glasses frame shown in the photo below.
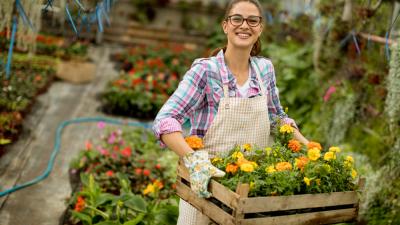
(244, 19)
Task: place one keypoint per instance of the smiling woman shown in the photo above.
(230, 98)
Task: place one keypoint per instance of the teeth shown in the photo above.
(243, 35)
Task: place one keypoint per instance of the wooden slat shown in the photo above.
(218, 190)
(243, 191)
(207, 208)
(280, 203)
(327, 217)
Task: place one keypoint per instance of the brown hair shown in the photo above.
(257, 46)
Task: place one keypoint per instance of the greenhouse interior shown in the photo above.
(122, 112)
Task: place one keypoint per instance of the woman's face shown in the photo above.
(242, 36)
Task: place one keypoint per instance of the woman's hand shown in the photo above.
(201, 170)
(298, 136)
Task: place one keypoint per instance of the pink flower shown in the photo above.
(329, 92)
(101, 125)
(113, 155)
(111, 139)
(126, 152)
(138, 171)
(104, 152)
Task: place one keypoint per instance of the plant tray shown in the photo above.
(226, 207)
(76, 71)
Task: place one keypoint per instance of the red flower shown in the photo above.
(158, 166)
(80, 204)
(110, 173)
(116, 148)
(126, 152)
(88, 145)
(138, 171)
(146, 172)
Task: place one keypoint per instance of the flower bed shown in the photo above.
(117, 180)
(287, 182)
(30, 77)
(152, 75)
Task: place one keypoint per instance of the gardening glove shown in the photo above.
(201, 170)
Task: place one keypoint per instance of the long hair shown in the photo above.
(257, 46)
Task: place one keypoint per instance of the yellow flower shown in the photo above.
(247, 147)
(149, 189)
(350, 159)
(313, 144)
(348, 162)
(301, 162)
(270, 169)
(353, 173)
(216, 160)
(314, 154)
(268, 150)
(334, 149)
(237, 155)
(307, 181)
(329, 156)
(286, 129)
(252, 184)
(247, 167)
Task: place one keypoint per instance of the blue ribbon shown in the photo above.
(71, 21)
(387, 36)
(25, 18)
(99, 20)
(10, 50)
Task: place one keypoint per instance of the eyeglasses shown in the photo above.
(237, 20)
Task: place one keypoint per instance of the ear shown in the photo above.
(224, 25)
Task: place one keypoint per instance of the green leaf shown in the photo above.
(136, 220)
(82, 217)
(136, 203)
(108, 223)
(104, 197)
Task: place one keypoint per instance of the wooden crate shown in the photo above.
(76, 71)
(227, 207)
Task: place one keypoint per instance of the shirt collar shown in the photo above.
(227, 74)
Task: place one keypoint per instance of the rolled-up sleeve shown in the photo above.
(183, 102)
(275, 109)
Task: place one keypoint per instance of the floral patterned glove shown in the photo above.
(201, 170)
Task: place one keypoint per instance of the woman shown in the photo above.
(230, 98)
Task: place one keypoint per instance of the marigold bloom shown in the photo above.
(329, 156)
(353, 173)
(301, 162)
(307, 181)
(283, 166)
(286, 129)
(231, 168)
(334, 149)
(158, 184)
(237, 155)
(270, 169)
(350, 159)
(294, 145)
(80, 204)
(194, 142)
(149, 189)
(216, 160)
(313, 144)
(247, 147)
(247, 167)
(314, 154)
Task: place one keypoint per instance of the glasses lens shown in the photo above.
(253, 20)
(236, 20)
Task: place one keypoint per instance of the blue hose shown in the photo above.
(58, 143)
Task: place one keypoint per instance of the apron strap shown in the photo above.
(258, 72)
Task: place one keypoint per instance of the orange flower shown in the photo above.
(301, 162)
(158, 184)
(283, 166)
(294, 145)
(312, 144)
(194, 142)
(80, 204)
(231, 168)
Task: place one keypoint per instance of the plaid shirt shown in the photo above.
(198, 94)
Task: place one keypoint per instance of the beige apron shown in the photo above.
(238, 121)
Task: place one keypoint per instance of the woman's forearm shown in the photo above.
(298, 136)
(176, 143)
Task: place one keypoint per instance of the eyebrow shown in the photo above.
(243, 16)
